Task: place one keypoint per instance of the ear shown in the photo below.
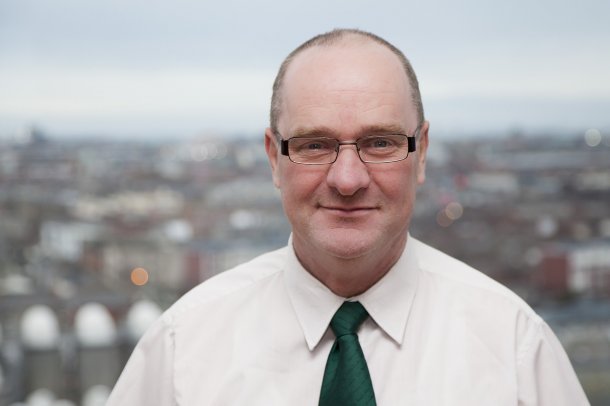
(272, 154)
(422, 149)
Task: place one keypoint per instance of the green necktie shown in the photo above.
(346, 378)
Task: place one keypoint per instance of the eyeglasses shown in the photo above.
(375, 149)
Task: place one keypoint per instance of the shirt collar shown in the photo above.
(388, 302)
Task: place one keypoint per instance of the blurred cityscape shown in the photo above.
(98, 237)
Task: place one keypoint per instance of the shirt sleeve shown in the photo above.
(545, 375)
(147, 378)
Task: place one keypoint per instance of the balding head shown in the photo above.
(340, 37)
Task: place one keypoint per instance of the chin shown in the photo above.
(346, 243)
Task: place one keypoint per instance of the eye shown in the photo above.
(377, 143)
(380, 143)
(314, 145)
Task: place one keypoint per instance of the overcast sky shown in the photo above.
(184, 68)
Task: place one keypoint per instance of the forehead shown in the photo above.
(357, 82)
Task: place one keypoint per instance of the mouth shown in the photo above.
(348, 210)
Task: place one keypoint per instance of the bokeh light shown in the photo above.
(593, 137)
(450, 213)
(139, 276)
(442, 219)
(454, 210)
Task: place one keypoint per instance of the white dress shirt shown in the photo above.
(439, 333)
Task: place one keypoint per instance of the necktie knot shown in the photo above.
(348, 318)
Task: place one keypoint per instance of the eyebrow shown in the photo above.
(312, 132)
(385, 129)
(323, 131)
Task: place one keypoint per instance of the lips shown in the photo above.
(348, 210)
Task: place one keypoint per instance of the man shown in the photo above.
(347, 147)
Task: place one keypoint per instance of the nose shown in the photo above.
(348, 174)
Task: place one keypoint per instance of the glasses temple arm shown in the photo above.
(411, 143)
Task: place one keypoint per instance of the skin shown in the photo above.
(349, 219)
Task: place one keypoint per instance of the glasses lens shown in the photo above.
(312, 150)
(383, 148)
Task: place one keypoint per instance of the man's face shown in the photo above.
(347, 209)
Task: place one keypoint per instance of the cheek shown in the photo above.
(299, 196)
(298, 181)
(397, 184)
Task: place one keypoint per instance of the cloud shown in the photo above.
(202, 99)
(151, 65)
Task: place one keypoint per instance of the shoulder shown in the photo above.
(231, 283)
(487, 323)
(466, 283)
(458, 295)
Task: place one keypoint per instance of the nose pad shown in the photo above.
(354, 149)
(348, 173)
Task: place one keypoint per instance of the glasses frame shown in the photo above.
(411, 147)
